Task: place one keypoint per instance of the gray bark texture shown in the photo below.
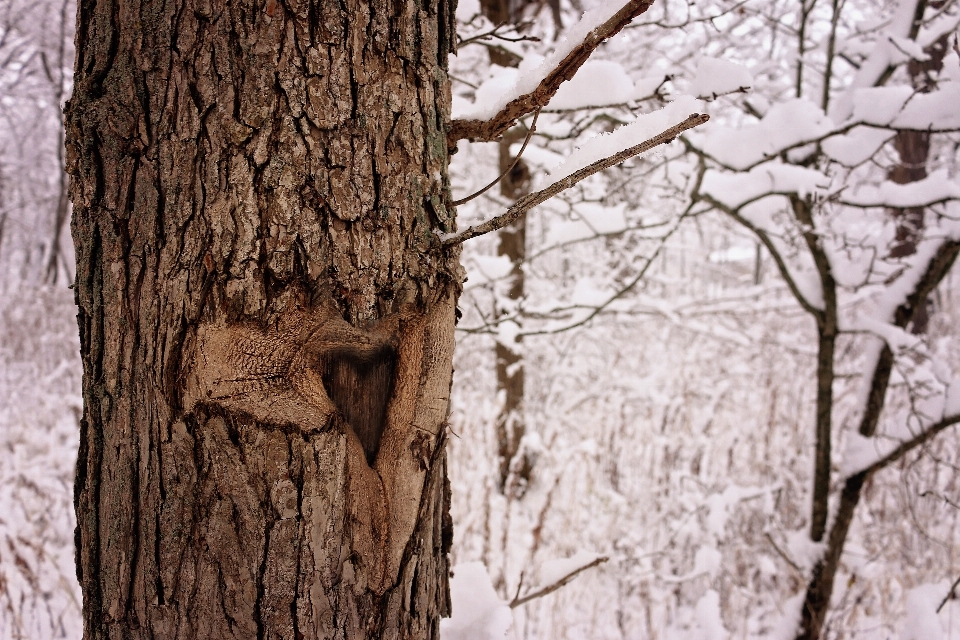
(266, 317)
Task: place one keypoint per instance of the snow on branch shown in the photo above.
(534, 90)
(798, 125)
(736, 190)
(576, 169)
(883, 59)
(935, 188)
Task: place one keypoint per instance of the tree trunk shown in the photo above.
(826, 347)
(515, 466)
(913, 147)
(266, 317)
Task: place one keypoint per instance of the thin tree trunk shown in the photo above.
(58, 80)
(820, 590)
(826, 346)
(266, 317)
(913, 147)
(514, 467)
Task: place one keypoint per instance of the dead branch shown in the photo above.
(550, 588)
(486, 130)
(528, 202)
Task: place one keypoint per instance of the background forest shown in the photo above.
(722, 376)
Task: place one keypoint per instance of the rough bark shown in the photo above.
(266, 317)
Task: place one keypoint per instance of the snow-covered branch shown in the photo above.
(534, 90)
(527, 202)
(796, 125)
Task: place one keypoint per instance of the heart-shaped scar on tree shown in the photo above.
(303, 371)
(383, 387)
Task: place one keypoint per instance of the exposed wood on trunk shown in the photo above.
(266, 317)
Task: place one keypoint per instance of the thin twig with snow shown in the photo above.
(527, 202)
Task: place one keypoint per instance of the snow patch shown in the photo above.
(478, 614)
(736, 189)
(922, 621)
(784, 125)
(597, 83)
(936, 187)
(857, 146)
(717, 77)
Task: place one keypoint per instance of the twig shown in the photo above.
(528, 202)
(526, 141)
(486, 130)
(909, 445)
(949, 595)
(783, 554)
(539, 593)
(519, 586)
(944, 498)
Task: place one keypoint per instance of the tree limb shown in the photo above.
(947, 598)
(550, 588)
(528, 202)
(767, 241)
(486, 130)
(909, 445)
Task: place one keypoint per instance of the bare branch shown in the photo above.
(526, 141)
(486, 130)
(767, 241)
(550, 588)
(528, 202)
(910, 445)
(784, 556)
(947, 598)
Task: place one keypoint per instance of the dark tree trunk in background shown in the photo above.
(266, 317)
(514, 466)
(913, 148)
